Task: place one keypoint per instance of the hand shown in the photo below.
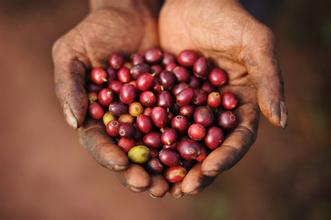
(126, 26)
(225, 32)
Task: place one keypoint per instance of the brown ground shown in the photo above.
(46, 174)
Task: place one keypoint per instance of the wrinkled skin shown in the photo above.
(223, 31)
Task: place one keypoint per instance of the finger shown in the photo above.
(195, 181)
(159, 187)
(176, 191)
(69, 75)
(236, 144)
(136, 178)
(93, 137)
(263, 68)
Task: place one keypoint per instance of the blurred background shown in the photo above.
(46, 174)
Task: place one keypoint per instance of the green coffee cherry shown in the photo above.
(108, 117)
(139, 154)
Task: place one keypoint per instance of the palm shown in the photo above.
(223, 36)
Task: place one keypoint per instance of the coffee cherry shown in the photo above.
(170, 146)
(112, 128)
(180, 123)
(201, 67)
(124, 75)
(154, 153)
(159, 117)
(158, 87)
(207, 87)
(133, 83)
(194, 82)
(217, 77)
(170, 66)
(229, 101)
(128, 65)
(169, 157)
(137, 59)
(154, 166)
(148, 112)
(169, 136)
(145, 81)
(118, 108)
(187, 58)
(227, 120)
(179, 87)
(126, 118)
(92, 97)
(188, 164)
(152, 139)
(126, 143)
(204, 116)
(181, 74)
(214, 99)
(167, 79)
(139, 154)
(126, 130)
(108, 117)
(112, 74)
(116, 60)
(156, 69)
(185, 97)
(214, 137)
(127, 94)
(105, 97)
(115, 86)
(153, 55)
(164, 99)
(147, 98)
(188, 149)
(144, 123)
(203, 154)
(136, 109)
(200, 97)
(168, 58)
(196, 132)
(175, 174)
(186, 110)
(138, 69)
(95, 111)
(99, 76)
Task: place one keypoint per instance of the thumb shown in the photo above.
(69, 76)
(264, 71)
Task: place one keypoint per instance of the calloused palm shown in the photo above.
(223, 31)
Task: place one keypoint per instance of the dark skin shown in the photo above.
(220, 29)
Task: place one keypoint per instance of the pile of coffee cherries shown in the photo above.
(167, 113)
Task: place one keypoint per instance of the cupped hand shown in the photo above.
(127, 28)
(223, 31)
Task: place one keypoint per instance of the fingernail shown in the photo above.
(117, 167)
(135, 189)
(283, 116)
(275, 111)
(69, 116)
